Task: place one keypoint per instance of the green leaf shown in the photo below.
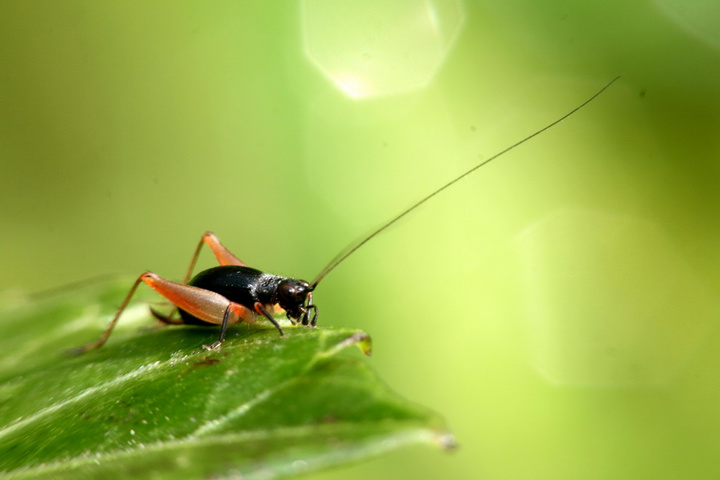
(155, 404)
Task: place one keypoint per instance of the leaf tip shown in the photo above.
(362, 340)
(446, 441)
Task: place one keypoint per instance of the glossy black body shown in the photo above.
(243, 285)
(249, 286)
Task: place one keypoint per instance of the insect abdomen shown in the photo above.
(237, 284)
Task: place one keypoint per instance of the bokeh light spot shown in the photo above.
(699, 18)
(374, 47)
(610, 301)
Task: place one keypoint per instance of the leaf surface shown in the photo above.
(155, 404)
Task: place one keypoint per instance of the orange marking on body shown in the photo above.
(243, 312)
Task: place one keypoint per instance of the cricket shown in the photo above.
(233, 292)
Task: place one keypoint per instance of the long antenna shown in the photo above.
(354, 247)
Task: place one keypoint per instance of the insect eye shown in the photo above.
(289, 290)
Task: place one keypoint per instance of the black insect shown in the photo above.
(234, 292)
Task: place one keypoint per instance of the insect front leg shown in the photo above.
(260, 308)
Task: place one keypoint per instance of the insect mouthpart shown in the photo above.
(306, 309)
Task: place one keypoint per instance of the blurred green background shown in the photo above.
(559, 307)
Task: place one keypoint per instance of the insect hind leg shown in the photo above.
(208, 306)
(109, 329)
(168, 319)
(222, 254)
